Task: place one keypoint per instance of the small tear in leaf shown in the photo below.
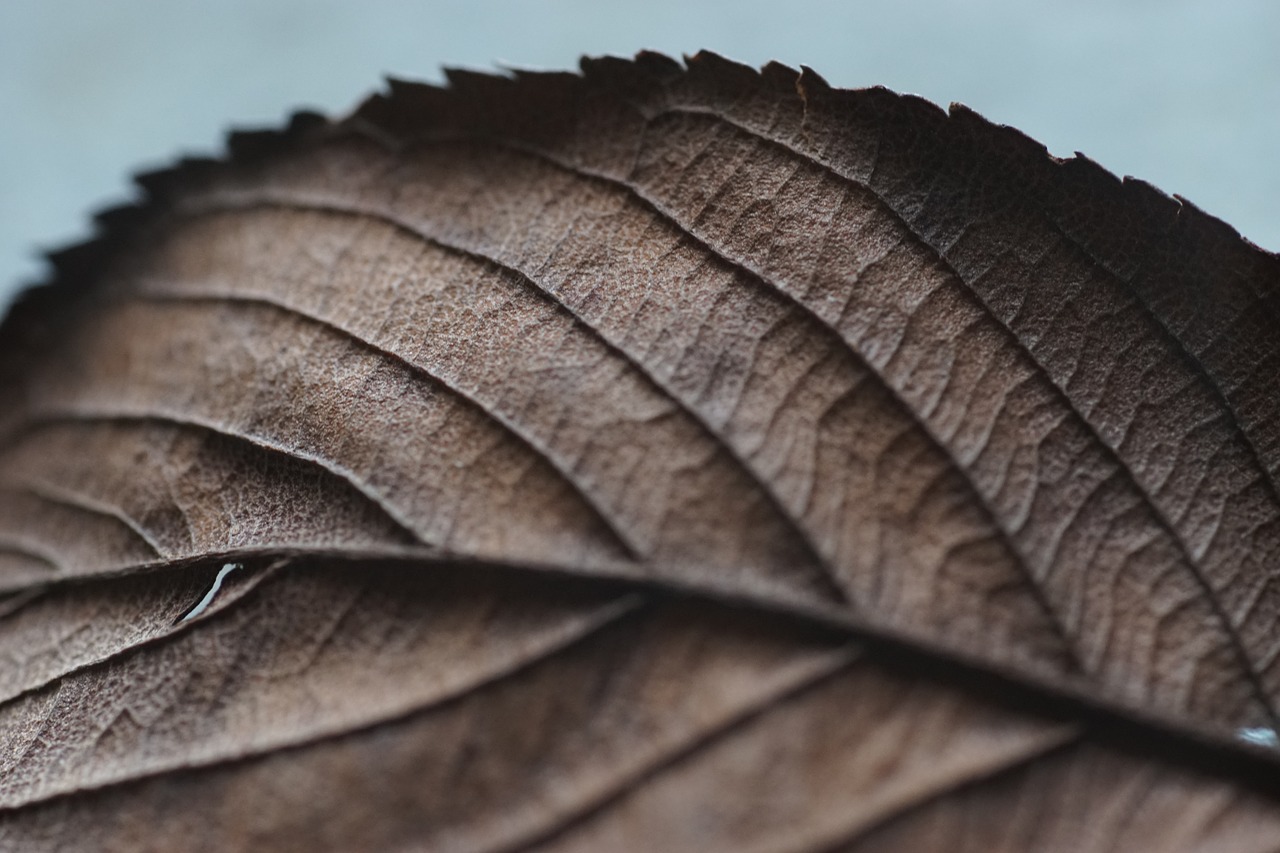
(1260, 736)
(203, 604)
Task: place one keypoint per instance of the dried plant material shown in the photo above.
(654, 458)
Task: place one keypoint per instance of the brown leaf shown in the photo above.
(660, 457)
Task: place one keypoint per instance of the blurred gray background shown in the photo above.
(1184, 94)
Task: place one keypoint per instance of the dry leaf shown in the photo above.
(656, 458)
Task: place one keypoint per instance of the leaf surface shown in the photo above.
(658, 457)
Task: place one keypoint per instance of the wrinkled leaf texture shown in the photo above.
(662, 457)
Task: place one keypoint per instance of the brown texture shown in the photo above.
(662, 457)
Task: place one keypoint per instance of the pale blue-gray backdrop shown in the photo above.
(1183, 93)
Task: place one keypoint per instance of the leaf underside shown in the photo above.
(660, 457)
